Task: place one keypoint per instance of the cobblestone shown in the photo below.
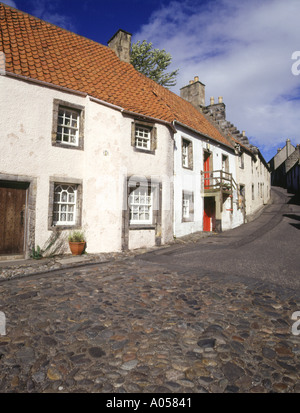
(131, 326)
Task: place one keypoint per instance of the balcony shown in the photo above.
(218, 183)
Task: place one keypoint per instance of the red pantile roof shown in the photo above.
(47, 53)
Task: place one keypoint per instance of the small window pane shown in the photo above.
(141, 206)
(68, 119)
(64, 209)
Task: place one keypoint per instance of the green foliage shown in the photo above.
(37, 253)
(153, 63)
(77, 236)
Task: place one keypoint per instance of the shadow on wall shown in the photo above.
(56, 244)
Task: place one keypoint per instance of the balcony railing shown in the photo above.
(221, 182)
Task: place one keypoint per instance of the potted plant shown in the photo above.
(77, 242)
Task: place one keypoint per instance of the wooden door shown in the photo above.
(12, 218)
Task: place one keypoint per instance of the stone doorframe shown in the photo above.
(30, 208)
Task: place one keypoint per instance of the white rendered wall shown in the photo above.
(190, 180)
(103, 166)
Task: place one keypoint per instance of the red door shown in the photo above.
(206, 170)
(209, 216)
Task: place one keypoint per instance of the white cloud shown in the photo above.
(242, 51)
(47, 10)
(10, 3)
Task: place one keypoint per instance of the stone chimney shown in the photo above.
(217, 110)
(120, 43)
(194, 93)
(289, 148)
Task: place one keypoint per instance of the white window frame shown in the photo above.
(141, 204)
(185, 153)
(62, 205)
(142, 137)
(66, 127)
(186, 208)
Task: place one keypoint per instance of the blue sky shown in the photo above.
(240, 49)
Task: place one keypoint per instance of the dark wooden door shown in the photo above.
(12, 219)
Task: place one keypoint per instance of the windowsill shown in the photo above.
(187, 167)
(144, 150)
(66, 146)
(136, 227)
(65, 227)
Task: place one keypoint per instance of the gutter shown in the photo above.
(102, 102)
(170, 125)
(43, 83)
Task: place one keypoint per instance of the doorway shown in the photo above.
(13, 207)
(207, 167)
(209, 216)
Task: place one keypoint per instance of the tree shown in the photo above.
(153, 63)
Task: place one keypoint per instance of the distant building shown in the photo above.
(277, 165)
(292, 168)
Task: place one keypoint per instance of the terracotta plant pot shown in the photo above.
(77, 248)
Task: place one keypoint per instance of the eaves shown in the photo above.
(203, 135)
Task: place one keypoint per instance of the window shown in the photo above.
(187, 206)
(225, 165)
(68, 125)
(241, 196)
(144, 137)
(187, 154)
(241, 160)
(64, 206)
(140, 203)
(242, 190)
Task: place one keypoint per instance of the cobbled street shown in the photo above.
(155, 324)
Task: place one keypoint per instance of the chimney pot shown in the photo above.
(212, 100)
(196, 79)
(244, 133)
(220, 99)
